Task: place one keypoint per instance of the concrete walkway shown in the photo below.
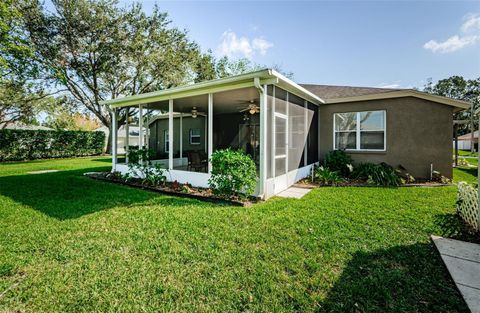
(294, 192)
(463, 262)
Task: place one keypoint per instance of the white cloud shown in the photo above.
(472, 23)
(392, 86)
(233, 45)
(261, 45)
(457, 42)
(452, 44)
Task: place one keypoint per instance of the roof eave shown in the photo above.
(458, 104)
(266, 76)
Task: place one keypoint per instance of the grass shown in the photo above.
(465, 153)
(68, 244)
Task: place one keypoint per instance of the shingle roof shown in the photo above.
(327, 92)
(468, 136)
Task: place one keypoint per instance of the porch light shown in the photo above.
(252, 111)
(194, 112)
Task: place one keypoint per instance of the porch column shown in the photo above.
(170, 134)
(140, 126)
(147, 131)
(181, 136)
(305, 132)
(263, 138)
(114, 140)
(210, 131)
(127, 134)
(274, 132)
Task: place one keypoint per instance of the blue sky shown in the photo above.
(360, 43)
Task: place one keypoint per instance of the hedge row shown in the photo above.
(16, 145)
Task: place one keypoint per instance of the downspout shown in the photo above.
(256, 82)
(263, 159)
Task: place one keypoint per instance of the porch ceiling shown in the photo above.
(223, 102)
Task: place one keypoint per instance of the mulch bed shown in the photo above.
(174, 189)
(307, 183)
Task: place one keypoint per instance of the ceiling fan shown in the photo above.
(195, 112)
(252, 107)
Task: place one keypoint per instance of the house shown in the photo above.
(465, 141)
(133, 133)
(22, 126)
(287, 128)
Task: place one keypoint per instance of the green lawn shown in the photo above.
(68, 243)
(467, 174)
(465, 153)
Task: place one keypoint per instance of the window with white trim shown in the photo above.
(166, 140)
(194, 136)
(360, 131)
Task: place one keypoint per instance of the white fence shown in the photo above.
(467, 205)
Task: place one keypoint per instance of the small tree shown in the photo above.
(233, 174)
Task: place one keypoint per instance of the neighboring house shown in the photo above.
(465, 141)
(22, 126)
(287, 128)
(122, 136)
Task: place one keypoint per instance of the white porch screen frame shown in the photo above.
(210, 132)
(358, 131)
(166, 141)
(170, 134)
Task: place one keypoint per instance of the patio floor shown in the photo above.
(463, 262)
(294, 192)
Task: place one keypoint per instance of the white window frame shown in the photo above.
(358, 131)
(196, 136)
(166, 140)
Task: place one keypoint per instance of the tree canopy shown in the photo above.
(457, 87)
(20, 97)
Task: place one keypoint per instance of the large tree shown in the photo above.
(457, 87)
(98, 50)
(20, 96)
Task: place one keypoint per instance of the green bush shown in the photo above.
(339, 161)
(325, 176)
(140, 165)
(377, 174)
(18, 145)
(233, 174)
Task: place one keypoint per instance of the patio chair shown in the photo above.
(196, 162)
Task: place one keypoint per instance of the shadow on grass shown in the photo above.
(68, 194)
(400, 279)
(453, 227)
(120, 159)
(468, 170)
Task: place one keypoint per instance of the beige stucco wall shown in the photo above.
(419, 132)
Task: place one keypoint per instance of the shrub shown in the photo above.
(438, 177)
(405, 176)
(325, 176)
(139, 164)
(377, 174)
(18, 145)
(462, 162)
(233, 174)
(339, 161)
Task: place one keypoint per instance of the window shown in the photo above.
(359, 130)
(166, 140)
(195, 136)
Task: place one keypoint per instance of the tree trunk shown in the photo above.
(108, 148)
